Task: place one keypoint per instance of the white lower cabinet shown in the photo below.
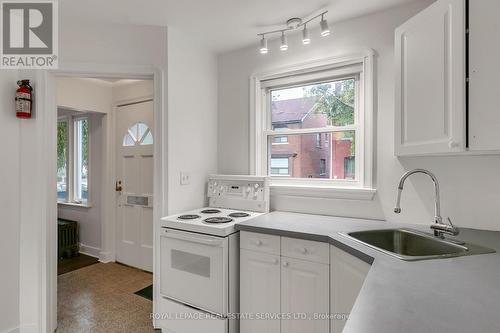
(305, 284)
(259, 291)
(347, 274)
(304, 296)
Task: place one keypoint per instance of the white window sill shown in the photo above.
(73, 204)
(328, 192)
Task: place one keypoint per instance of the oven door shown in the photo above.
(194, 270)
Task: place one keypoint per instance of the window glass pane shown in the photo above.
(314, 106)
(128, 140)
(62, 162)
(334, 158)
(148, 139)
(81, 160)
(141, 130)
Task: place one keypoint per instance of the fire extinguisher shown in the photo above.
(24, 99)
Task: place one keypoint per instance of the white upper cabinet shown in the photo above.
(430, 81)
(484, 72)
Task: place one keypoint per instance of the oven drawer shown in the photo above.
(174, 317)
(194, 270)
(305, 249)
(260, 242)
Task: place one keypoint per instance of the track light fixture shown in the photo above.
(306, 39)
(284, 43)
(263, 45)
(294, 24)
(325, 31)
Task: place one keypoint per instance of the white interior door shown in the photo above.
(134, 171)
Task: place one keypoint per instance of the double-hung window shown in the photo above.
(73, 160)
(323, 113)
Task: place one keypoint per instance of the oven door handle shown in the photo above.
(194, 239)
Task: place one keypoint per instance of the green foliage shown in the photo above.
(336, 100)
(62, 144)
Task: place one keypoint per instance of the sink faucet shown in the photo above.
(438, 226)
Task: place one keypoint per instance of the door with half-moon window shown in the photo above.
(134, 185)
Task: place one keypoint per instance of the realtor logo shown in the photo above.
(29, 34)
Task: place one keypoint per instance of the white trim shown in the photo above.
(74, 204)
(323, 192)
(258, 121)
(46, 285)
(90, 250)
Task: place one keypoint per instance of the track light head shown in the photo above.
(263, 45)
(284, 42)
(306, 39)
(325, 31)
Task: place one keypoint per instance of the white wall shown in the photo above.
(469, 185)
(84, 94)
(192, 119)
(126, 90)
(9, 203)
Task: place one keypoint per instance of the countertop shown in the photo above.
(450, 295)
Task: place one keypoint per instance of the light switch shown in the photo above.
(185, 178)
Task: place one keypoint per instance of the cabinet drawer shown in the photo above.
(260, 242)
(305, 249)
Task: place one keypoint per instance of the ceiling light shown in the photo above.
(325, 31)
(294, 24)
(306, 39)
(284, 43)
(263, 45)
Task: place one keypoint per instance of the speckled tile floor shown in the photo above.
(100, 298)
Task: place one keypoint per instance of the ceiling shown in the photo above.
(222, 24)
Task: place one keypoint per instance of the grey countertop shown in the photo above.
(432, 296)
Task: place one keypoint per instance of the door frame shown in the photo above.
(45, 312)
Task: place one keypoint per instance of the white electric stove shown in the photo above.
(199, 256)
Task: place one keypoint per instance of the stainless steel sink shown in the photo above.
(411, 245)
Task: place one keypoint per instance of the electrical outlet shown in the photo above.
(185, 178)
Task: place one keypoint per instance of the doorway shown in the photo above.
(105, 177)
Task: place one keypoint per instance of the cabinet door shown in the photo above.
(304, 291)
(430, 81)
(259, 291)
(484, 54)
(347, 274)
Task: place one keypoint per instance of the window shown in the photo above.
(279, 166)
(81, 158)
(325, 113)
(322, 166)
(73, 160)
(62, 160)
(138, 134)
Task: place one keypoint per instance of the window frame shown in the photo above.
(71, 161)
(315, 72)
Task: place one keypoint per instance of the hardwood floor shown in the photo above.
(100, 298)
(66, 265)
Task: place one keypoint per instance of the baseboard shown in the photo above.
(90, 250)
(106, 257)
(23, 329)
(12, 330)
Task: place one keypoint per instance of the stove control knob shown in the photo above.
(256, 186)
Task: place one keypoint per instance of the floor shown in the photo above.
(100, 298)
(66, 265)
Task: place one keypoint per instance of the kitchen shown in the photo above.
(391, 50)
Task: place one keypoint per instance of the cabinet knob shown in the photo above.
(453, 144)
(285, 264)
(258, 242)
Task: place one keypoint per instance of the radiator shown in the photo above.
(67, 238)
